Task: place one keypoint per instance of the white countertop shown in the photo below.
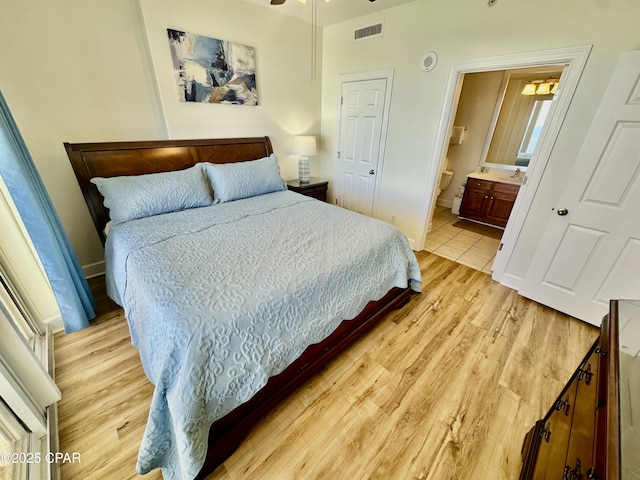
(501, 177)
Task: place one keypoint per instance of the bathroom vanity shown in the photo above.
(489, 198)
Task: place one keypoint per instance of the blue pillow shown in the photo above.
(138, 196)
(233, 181)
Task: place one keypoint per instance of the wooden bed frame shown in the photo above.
(134, 158)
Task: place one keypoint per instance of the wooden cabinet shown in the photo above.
(315, 187)
(488, 201)
(565, 437)
(577, 439)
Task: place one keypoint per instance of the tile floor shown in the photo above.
(468, 248)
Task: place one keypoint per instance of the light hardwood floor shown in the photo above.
(444, 388)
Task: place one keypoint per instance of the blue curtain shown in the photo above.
(43, 225)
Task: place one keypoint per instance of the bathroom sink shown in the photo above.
(517, 181)
(496, 177)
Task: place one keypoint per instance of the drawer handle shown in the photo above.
(572, 473)
(563, 405)
(600, 351)
(545, 433)
(585, 374)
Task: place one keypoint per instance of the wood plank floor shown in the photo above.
(444, 388)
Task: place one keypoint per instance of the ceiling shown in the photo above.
(330, 13)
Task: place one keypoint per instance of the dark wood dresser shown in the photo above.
(315, 187)
(589, 433)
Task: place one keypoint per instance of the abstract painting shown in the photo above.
(209, 70)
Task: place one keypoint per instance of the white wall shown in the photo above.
(80, 72)
(468, 30)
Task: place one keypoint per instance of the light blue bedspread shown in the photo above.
(221, 298)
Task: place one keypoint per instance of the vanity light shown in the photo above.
(529, 89)
(544, 88)
(540, 87)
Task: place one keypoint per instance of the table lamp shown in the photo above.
(304, 146)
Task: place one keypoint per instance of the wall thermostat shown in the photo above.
(429, 61)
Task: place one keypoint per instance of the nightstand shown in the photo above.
(315, 187)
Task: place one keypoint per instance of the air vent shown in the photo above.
(368, 32)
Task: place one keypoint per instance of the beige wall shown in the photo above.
(470, 30)
(475, 111)
(81, 72)
(74, 71)
(289, 101)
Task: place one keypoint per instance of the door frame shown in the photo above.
(574, 59)
(361, 77)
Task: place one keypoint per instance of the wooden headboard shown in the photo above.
(136, 158)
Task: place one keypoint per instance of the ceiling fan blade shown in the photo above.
(277, 2)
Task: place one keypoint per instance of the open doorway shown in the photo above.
(499, 118)
(573, 60)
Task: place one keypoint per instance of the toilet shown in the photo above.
(445, 178)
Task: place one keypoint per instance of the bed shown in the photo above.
(236, 290)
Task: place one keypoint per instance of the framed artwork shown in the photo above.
(209, 70)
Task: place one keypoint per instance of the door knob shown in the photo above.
(562, 212)
(371, 172)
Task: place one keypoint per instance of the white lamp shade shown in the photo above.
(304, 145)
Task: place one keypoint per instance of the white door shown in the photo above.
(361, 128)
(590, 250)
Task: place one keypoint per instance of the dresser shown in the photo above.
(589, 431)
(315, 187)
(488, 200)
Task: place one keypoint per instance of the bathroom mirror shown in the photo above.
(518, 119)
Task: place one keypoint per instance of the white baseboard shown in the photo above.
(54, 324)
(444, 202)
(93, 269)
